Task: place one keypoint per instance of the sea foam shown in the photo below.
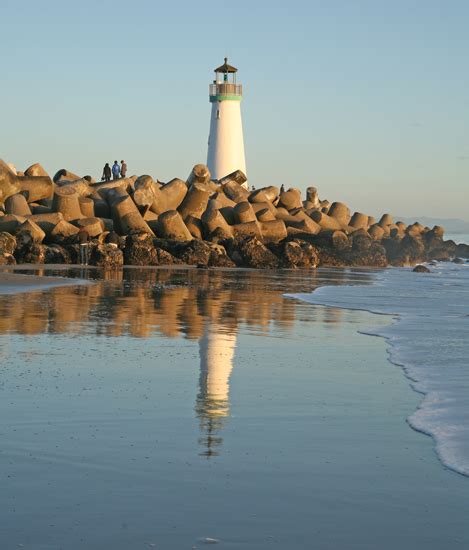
(429, 339)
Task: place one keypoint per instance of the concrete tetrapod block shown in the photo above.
(144, 193)
(9, 223)
(290, 199)
(64, 175)
(35, 170)
(195, 202)
(195, 227)
(63, 231)
(199, 174)
(101, 208)
(238, 176)
(257, 206)
(47, 222)
(8, 182)
(133, 221)
(171, 226)
(415, 229)
(376, 232)
(247, 229)
(386, 219)
(93, 226)
(87, 207)
(173, 193)
(265, 215)
(37, 208)
(37, 234)
(212, 220)
(266, 194)
(273, 230)
(244, 212)
(312, 197)
(81, 186)
(359, 221)
(371, 221)
(36, 188)
(102, 189)
(235, 192)
(340, 212)
(223, 200)
(325, 221)
(66, 200)
(18, 205)
(306, 225)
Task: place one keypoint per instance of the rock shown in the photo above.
(421, 269)
(17, 205)
(462, 250)
(219, 257)
(458, 261)
(297, 254)
(255, 254)
(56, 254)
(7, 243)
(36, 234)
(7, 259)
(35, 170)
(195, 253)
(108, 256)
(407, 251)
(30, 253)
(10, 223)
(140, 250)
(361, 242)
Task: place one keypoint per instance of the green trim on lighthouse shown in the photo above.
(214, 98)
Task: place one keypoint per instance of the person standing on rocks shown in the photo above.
(106, 172)
(123, 168)
(83, 239)
(116, 171)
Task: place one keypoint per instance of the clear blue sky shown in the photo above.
(367, 100)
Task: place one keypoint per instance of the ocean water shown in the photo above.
(429, 339)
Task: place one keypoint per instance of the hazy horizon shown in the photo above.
(367, 102)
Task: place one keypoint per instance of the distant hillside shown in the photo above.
(451, 225)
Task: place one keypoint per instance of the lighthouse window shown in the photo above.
(218, 113)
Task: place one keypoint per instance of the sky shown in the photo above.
(366, 100)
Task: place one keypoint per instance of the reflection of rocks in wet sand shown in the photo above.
(216, 351)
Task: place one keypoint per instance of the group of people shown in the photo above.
(117, 171)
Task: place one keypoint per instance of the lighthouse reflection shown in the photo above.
(213, 308)
(216, 350)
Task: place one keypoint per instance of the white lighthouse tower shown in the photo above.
(225, 142)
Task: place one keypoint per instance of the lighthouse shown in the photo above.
(225, 142)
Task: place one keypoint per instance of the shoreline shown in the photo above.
(324, 297)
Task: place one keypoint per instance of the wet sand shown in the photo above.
(164, 408)
(11, 283)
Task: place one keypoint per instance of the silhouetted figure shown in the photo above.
(282, 188)
(123, 168)
(83, 239)
(112, 238)
(116, 171)
(106, 172)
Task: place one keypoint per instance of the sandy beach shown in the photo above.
(178, 408)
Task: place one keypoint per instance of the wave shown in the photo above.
(429, 339)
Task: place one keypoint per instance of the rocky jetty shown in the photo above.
(197, 221)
